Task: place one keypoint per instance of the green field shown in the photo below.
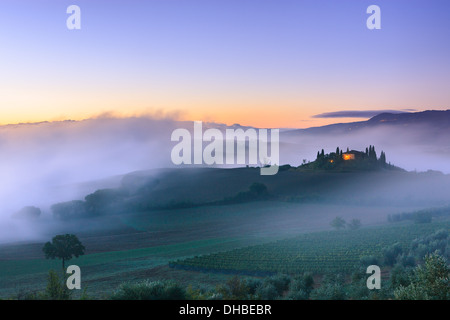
(218, 258)
(103, 272)
(256, 238)
(320, 252)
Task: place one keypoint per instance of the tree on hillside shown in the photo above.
(354, 224)
(372, 153)
(105, 201)
(382, 158)
(391, 253)
(429, 281)
(63, 247)
(27, 213)
(258, 189)
(69, 210)
(422, 217)
(338, 223)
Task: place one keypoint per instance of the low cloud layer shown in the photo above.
(41, 163)
(358, 113)
(45, 163)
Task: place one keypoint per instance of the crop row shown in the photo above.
(320, 252)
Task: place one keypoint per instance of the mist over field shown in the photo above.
(47, 163)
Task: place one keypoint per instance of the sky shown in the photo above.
(263, 63)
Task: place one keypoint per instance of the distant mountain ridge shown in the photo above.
(440, 118)
(437, 119)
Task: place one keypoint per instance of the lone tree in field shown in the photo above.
(354, 224)
(63, 247)
(338, 223)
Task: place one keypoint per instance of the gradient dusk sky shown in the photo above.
(263, 63)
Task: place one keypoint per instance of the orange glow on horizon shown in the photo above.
(268, 114)
(245, 118)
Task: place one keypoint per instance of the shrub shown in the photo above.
(332, 288)
(56, 288)
(267, 291)
(366, 261)
(301, 287)
(428, 282)
(252, 284)
(391, 253)
(329, 291)
(298, 295)
(147, 290)
(422, 217)
(437, 241)
(407, 260)
(358, 289)
(280, 282)
(399, 276)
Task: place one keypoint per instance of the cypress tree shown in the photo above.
(371, 152)
(383, 158)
